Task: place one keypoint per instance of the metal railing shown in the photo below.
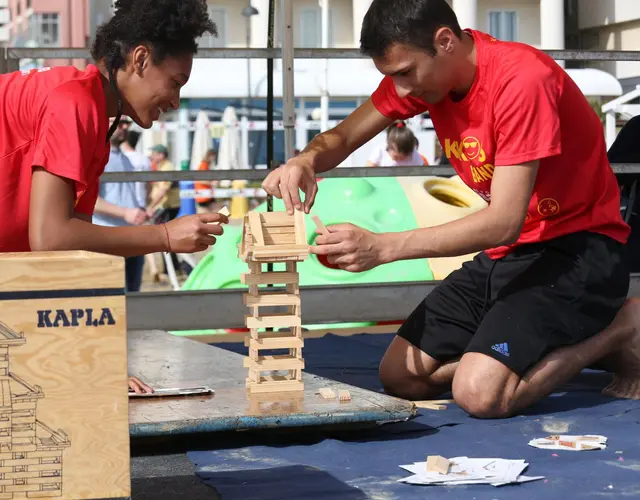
(276, 53)
(337, 173)
(345, 303)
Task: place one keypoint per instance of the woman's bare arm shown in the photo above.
(53, 225)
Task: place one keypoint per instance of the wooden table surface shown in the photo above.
(164, 360)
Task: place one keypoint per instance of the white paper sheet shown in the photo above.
(464, 470)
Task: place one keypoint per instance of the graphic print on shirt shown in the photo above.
(475, 167)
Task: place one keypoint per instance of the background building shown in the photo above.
(5, 19)
(218, 83)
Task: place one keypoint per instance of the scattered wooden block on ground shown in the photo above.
(327, 393)
(439, 404)
(344, 395)
(436, 463)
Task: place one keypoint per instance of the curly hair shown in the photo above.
(169, 27)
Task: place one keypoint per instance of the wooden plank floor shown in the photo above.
(164, 361)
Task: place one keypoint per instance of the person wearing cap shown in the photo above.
(164, 201)
(165, 195)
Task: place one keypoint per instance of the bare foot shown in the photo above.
(623, 388)
(624, 360)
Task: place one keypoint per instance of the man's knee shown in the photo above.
(472, 395)
(401, 383)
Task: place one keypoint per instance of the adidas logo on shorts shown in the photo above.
(501, 348)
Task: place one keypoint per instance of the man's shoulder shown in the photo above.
(507, 60)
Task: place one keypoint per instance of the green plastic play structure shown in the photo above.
(378, 204)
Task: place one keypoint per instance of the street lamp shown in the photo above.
(248, 12)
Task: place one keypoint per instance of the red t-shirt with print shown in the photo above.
(54, 118)
(524, 107)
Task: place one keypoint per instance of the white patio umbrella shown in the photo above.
(201, 140)
(229, 152)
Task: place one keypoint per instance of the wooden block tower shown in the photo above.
(277, 238)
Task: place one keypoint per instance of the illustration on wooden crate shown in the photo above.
(274, 237)
(30, 452)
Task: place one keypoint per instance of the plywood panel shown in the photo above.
(165, 360)
(62, 319)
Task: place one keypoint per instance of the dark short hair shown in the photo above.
(133, 136)
(168, 27)
(402, 137)
(412, 22)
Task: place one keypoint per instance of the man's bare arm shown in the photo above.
(53, 224)
(332, 147)
(498, 224)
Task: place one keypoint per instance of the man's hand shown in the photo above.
(286, 182)
(138, 386)
(135, 216)
(193, 233)
(351, 248)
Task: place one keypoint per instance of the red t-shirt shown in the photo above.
(523, 107)
(53, 118)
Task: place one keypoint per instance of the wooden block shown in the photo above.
(270, 219)
(224, 211)
(287, 342)
(301, 231)
(273, 321)
(256, 228)
(327, 393)
(282, 251)
(279, 239)
(321, 227)
(271, 299)
(63, 338)
(274, 362)
(436, 463)
(428, 405)
(270, 278)
(289, 230)
(274, 384)
(344, 395)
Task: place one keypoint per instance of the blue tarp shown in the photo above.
(364, 464)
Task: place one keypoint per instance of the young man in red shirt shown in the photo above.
(544, 297)
(55, 131)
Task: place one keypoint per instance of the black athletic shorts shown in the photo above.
(519, 308)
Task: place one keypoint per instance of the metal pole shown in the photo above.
(324, 99)
(8, 64)
(289, 111)
(270, 132)
(248, 45)
(3, 60)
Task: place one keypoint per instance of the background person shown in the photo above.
(401, 149)
(50, 165)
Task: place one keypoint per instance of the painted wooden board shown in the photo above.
(164, 360)
(64, 429)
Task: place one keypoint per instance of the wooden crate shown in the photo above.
(64, 427)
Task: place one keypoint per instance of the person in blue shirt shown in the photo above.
(119, 205)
